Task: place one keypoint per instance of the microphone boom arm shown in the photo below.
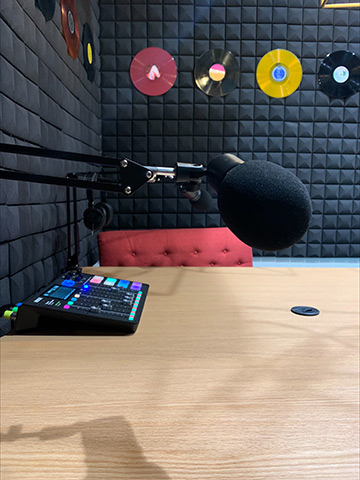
(133, 175)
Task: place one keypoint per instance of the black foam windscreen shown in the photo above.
(264, 205)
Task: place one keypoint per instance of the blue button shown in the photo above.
(18, 304)
(123, 283)
(68, 283)
(73, 299)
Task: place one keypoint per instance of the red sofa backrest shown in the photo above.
(198, 247)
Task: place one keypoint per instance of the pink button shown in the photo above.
(96, 279)
(66, 307)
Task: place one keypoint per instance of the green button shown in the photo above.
(70, 303)
(7, 314)
(15, 309)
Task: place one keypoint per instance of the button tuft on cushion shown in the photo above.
(133, 254)
(165, 253)
(225, 250)
(195, 252)
(212, 264)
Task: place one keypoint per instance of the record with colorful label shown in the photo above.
(70, 26)
(153, 71)
(279, 73)
(89, 52)
(339, 74)
(46, 7)
(217, 72)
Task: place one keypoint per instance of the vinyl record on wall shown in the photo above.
(339, 74)
(89, 52)
(70, 26)
(46, 7)
(279, 73)
(153, 71)
(217, 72)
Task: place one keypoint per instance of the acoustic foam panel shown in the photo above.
(312, 135)
(46, 100)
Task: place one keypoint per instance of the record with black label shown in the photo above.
(46, 7)
(70, 26)
(89, 52)
(217, 72)
(339, 74)
(279, 73)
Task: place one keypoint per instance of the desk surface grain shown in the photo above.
(220, 382)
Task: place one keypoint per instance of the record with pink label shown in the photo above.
(217, 72)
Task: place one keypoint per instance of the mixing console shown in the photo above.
(77, 298)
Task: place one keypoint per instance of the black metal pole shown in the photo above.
(76, 231)
(68, 218)
(45, 152)
(65, 182)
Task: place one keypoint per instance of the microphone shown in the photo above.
(264, 205)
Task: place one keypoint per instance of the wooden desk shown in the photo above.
(220, 382)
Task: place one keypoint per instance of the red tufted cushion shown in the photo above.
(198, 247)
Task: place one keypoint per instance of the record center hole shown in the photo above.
(217, 72)
(153, 72)
(279, 73)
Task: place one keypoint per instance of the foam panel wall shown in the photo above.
(46, 101)
(312, 135)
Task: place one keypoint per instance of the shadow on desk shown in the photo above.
(110, 445)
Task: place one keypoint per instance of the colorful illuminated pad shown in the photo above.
(97, 279)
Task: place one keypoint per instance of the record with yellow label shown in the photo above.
(279, 73)
(70, 26)
(217, 72)
(89, 52)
